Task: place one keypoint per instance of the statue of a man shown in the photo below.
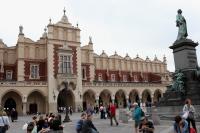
(181, 24)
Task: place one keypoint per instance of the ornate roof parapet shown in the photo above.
(64, 17)
(64, 21)
(156, 60)
(116, 56)
(147, 59)
(127, 57)
(138, 58)
(103, 54)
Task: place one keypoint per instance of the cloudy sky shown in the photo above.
(144, 27)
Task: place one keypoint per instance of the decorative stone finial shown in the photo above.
(103, 52)
(21, 30)
(50, 21)
(115, 52)
(137, 56)
(147, 58)
(155, 58)
(64, 18)
(45, 29)
(127, 55)
(45, 32)
(90, 39)
(64, 10)
(77, 25)
(164, 59)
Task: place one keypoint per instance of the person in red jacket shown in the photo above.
(113, 114)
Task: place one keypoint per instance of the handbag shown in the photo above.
(192, 130)
(191, 115)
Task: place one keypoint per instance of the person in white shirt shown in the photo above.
(4, 122)
(189, 108)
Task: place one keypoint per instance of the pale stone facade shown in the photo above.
(33, 74)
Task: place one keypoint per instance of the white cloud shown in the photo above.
(144, 27)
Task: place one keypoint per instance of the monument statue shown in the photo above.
(181, 24)
(186, 78)
(178, 83)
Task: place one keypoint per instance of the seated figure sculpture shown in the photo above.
(178, 84)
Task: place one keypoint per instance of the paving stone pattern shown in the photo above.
(102, 125)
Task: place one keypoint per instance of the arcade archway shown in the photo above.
(88, 99)
(134, 96)
(105, 98)
(36, 103)
(120, 99)
(12, 100)
(146, 97)
(65, 98)
(157, 96)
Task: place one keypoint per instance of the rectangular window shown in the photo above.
(9, 75)
(135, 78)
(124, 78)
(146, 78)
(84, 73)
(100, 77)
(65, 64)
(112, 77)
(34, 71)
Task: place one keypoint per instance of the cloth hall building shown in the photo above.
(33, 74)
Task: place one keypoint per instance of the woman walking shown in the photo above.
(4, 121)
(189, 108)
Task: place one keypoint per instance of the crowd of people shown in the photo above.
(49, 123)
(85, 124)
(183, 123)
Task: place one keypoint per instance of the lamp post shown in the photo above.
(54, 95)
(67, 119)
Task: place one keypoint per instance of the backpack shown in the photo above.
(142, 113)
(79, 125)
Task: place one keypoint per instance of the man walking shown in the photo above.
(113, 114)
(137, 113)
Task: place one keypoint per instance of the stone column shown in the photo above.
(127, 100)
(113, 98)
(24, 108)
(24, 102)
(97, 100)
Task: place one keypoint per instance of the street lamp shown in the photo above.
(54, 95)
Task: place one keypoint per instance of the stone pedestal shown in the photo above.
(185, 59)
(184, 54)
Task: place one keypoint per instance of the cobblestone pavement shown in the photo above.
(102, 125)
